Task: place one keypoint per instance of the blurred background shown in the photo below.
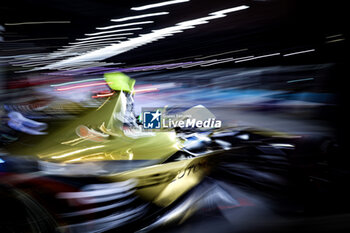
(273, 64)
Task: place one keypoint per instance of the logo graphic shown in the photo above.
(152, 120)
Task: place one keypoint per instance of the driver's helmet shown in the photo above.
(119, 82)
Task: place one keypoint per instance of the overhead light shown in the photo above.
(300, 80)
(43, 22)
(139, 16)
(123, 25)
(230, 10)
(226, 60)
(214, 15)
(121, 30)
(140, 8)
(106, 36)
(35, 39)
(333, 36)
(92, 44)
(132, 43)
(90, 41)
(300, 52)
(258, 57)
(219, 54)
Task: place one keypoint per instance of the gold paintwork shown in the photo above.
(164, 183)
(66, 145)
(98, 136)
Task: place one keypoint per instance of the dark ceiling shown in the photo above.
(268, 26)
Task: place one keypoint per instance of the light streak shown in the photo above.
(143, 39)
(105, 36)
(300, 80)
(77, 151)
(98, 40)
(106, 32)
(43, 22)
(146, 7)
(82, 86)
(300, 52)
(139, 16)
(146, 90)
(92, 44)
(337, 40)
(333, 36)
(35, 39)
(258, 57)
(76, 82)
(219, 54)
(102, 95)
(227, 60)
(124, 25)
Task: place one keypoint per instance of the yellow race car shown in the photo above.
(95, 175)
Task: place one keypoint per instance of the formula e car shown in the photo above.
(96, 175)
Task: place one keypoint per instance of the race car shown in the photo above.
(95, 174)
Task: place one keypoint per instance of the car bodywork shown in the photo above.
(93, 176)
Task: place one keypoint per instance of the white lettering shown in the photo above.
(190, 122)
(199, 124)
(218, 124)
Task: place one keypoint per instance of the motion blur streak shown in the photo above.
(212, 117)
(82, 86)
(106, 198)
(36, 39)
(146, 7)
(139, 16)
(219, 54)
(91, 44)
(75, 82)
(76, 152)
(300, 52)
(124, 25)
(258, 57)
(43, 22)
(155, 35)
(98, 37)
(103, 190)
(106, 223)
(99, 209)
(106, 39)
(228, 60)
(114, 31)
